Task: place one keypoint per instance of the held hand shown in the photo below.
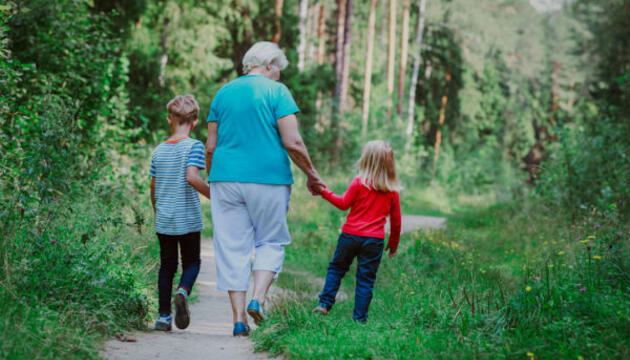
(315, 185)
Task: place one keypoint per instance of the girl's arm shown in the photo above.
(394, 233)
(345, 201)
(192, 176)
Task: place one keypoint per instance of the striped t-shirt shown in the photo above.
(177, 208)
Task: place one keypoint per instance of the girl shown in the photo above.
(371, 197)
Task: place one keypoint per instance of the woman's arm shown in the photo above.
(153, 193)
(395, 223)
(292, 141)
(211, 144)
(345, 201)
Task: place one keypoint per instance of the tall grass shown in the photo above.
(508, 281)
(81, 272)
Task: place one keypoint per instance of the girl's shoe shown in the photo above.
(321, 310)
(164, 322)
(240, 329)
(182, 312)
(255, 310)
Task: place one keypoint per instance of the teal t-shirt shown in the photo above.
(249, 147)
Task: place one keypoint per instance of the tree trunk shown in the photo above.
(416, 68)
(404, 49)
(391, 55)
(345, 71)
(367, 79)
(321, 26)
(438, 133)
(302, 28)
(341, 20)
(278, 12)
(321, 52)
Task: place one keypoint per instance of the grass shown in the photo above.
(76, 277)
(509, 281)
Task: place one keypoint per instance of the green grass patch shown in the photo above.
(510, 281)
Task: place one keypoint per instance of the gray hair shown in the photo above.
(262, 54)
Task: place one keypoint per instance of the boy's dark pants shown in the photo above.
(189, 245)
(368, 251)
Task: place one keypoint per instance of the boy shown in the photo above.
(175, 166)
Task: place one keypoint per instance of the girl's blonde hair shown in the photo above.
(377, 168)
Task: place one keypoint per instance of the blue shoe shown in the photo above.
(240, 329)
(255, 310)
(164, 323)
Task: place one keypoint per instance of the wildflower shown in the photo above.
(591, 237)
(412, 292)
(551, 266)
(507, 347)
(580, 357)
(597, 257)
(52, 241)
(582, 290)
(482, 271)
(596, 226)
(560, 252)
(530, 355)
(528, 288)
(584, 241)
(619, 235)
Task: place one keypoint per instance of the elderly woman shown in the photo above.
(252, 132)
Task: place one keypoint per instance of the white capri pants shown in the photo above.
(247, 216)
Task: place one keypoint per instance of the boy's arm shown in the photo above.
(153, 193)
(192, 176)
(345, 201)
(211, 144)
(395, 221)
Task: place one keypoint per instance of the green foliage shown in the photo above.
(498, 283)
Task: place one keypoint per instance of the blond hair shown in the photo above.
(183, 109)
(377, 168)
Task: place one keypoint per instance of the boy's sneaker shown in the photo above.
(164, 322)
(240, 329)
(321, 310)
(255, 310)
(182, 312)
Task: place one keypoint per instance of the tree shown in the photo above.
(302, 29)
(416, 67)
(278, 21)
(402, 65)
(367, 79)
(391, 55)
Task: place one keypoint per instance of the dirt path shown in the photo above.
(209, 335)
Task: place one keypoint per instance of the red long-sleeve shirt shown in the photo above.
(369, 210)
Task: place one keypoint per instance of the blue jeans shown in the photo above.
(368, 251)
(189, 245)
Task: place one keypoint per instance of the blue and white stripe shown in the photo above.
(177, 203)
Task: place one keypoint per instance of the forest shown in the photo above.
(510, 118)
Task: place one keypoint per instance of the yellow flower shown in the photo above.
(530, 354)
(597, 257)
(412, 292)
(528, 288)
(591, 237)
(482, 271)
(550, 266)
(507, 346)
(560, 252)
(580, 357)
(546, 242)
(584, 241)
